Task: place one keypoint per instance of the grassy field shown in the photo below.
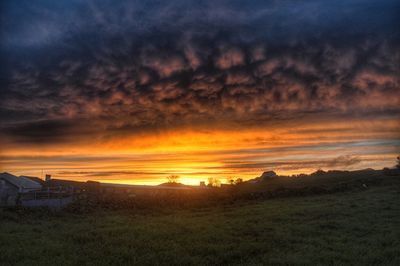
(346, 228)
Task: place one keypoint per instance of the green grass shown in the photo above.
(348, 228)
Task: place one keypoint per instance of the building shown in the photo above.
(264, 177)
(267, 175)
(12, 186)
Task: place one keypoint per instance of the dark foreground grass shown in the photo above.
(350, 228)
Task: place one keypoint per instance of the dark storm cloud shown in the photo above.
(137, 65)
(39, 132)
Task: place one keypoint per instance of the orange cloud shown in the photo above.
(198, 153)
(230, 58)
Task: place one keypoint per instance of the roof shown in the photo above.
(33, 178)
(268, 174)
(20, 182)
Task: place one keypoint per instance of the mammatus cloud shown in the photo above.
(159, 90)
(77, 72)
(229, 58)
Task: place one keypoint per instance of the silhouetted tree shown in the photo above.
(214, 182)
(230, 180)
(233, 181)
(398, 162)
(238, 181)
(173, 178)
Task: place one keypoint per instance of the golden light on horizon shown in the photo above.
(196, 155)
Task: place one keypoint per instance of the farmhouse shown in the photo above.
(267, 175)
(264, 177)
(12, 186)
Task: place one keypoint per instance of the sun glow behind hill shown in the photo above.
(197, 154)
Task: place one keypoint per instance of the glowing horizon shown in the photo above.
(133, 92)
(196, 156)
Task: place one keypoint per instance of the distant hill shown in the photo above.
(168, 184)
(269, 175)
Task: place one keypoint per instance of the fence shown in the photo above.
(55, 197)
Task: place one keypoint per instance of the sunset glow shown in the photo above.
(139, 92)
(197, 155)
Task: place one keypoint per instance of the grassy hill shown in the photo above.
(354, 227)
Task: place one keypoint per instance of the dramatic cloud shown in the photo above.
(75, 72)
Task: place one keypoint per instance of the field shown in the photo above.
(356, 227)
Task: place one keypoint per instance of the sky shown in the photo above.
(134, 91)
